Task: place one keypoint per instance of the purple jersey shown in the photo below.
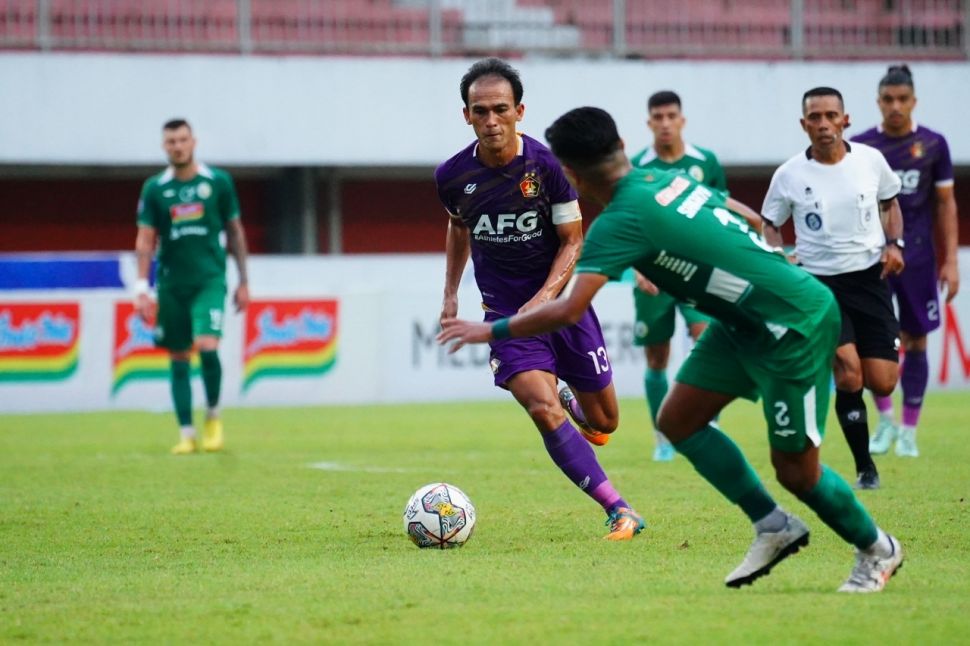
(509, 215)
(922, 161)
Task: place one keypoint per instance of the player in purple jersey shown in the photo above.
(511, 208)
(921, 158)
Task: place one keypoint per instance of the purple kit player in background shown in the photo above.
(921, 158)
(513, 211)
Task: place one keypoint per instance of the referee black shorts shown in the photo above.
(868, 317)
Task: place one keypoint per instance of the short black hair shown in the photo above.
(175, 124)
(583, 137)
(663, 97)
(492, 67)
(897, 75)
(823, 91)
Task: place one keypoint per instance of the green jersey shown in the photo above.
(680, 235)
(699, 163)
(190, 218)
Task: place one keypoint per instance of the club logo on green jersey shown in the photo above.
(204, 190)
(696, 172)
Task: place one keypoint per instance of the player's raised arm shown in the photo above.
(565, 310)
(145, 242)
(236, 238)
(570, 245)
(457, 250)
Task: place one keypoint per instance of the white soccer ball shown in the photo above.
(439, 515)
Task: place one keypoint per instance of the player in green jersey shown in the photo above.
(183, 212)
(654, 324)
(774, 337)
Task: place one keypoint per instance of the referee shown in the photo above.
(849, 234)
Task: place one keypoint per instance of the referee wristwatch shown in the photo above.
(896, 242)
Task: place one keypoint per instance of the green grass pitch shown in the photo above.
(104, 537)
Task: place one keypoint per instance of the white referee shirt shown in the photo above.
(835, 207)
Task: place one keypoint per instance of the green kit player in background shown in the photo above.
(183, 211)
(773, 337)
(654, 325)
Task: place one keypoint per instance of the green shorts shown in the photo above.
(655, 317)
(792, 375)
(187, 312)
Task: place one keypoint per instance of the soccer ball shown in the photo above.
(439, 515)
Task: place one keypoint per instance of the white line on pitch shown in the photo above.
(336, 466)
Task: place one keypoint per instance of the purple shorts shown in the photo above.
(917, 296)
(576, 354)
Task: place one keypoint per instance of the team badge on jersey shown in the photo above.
(813, 221)
(204, 190)
(696, 172)
(529, 185)
(916, 150)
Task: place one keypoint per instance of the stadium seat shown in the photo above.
(18, 25)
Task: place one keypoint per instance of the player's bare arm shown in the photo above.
(565, 310)
(948, 235)
(570, 244)
(236, 239)
(892, 225)
(752, 217)
(644, 284)
(772, 236)
(145, 242)
(457, 250)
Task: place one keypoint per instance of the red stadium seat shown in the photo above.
(18, 24)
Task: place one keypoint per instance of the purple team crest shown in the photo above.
(529, 185)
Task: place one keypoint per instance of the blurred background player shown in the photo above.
(848, 234)
(654, 324)
(512, 210)
(921, 158)
(183, 211)
(773, 336)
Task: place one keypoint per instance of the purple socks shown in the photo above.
(575, 458)
(915, 376)
(884, 404)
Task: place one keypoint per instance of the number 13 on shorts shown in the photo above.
(601, 363)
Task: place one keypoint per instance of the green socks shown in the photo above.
(717, 458)
(835, 503)
(182, 392)
(655, 385)
(719, 461)
(211, 376)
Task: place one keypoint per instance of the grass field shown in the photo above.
(104, 537)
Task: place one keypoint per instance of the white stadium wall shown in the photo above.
(106, 109)
(350, 330)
